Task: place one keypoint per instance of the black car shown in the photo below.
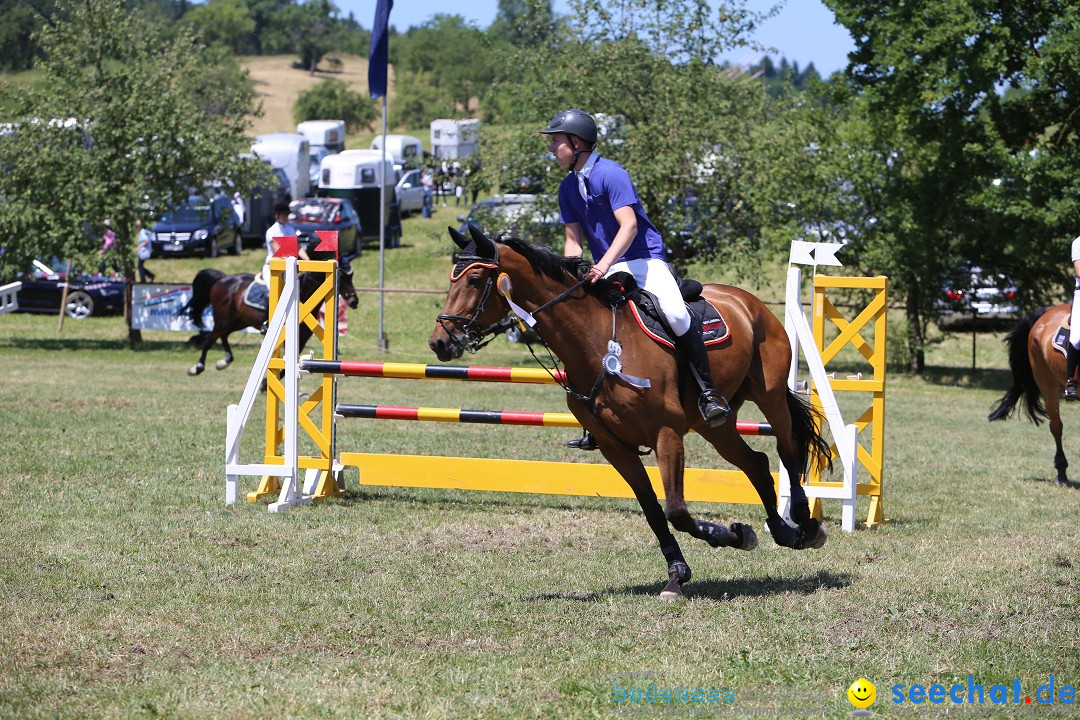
(319, 213)
(199, 226)
(43, 289)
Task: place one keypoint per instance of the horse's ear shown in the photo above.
(460, 240)
(484, 245)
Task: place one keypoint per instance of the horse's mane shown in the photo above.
(545, 261)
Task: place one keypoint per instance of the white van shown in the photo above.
(329, 134)
(404, 149)
(354, 175)
(291, 153)
(454, 138)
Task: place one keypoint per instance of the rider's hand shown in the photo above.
(595, 273)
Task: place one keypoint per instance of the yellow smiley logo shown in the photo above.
(862, 693)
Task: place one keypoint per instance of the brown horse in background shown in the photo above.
(1038, 370)
(577, 321)
(226, 294)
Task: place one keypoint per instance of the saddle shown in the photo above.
(1061, 338)
(646, 311)
(257, 296)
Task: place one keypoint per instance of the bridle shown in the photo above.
(472, 336)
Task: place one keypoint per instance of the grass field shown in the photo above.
(130, 590)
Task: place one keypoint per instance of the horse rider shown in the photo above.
(1072, 349)
(281, 228)
(599, 204)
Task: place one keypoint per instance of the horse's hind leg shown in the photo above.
(629, 466)
(227, 360)
(671, 459)
(1049, 392)
(755, 465)
(207, 344)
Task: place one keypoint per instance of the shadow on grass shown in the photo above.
(989, 379)
(482, 501)
(719, 590)
(1053, 481)
(71, 344)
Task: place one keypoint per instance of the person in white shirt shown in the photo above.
(1072, 350)
(281, 228)
(239, 209)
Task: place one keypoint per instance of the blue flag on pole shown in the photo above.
(380, 49)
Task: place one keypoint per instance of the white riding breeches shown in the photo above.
(655, 275)
(1074, 318)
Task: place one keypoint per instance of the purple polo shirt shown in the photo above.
(610, 188)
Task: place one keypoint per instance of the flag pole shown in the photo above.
(383, 343)
(378, 60)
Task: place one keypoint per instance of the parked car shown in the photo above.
(199, 226)
(514, 214)
(316, 154)
(319, 213)
(410, 193)
(43, 289)
(980, 298)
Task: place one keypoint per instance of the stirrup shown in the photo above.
(1070, 390)
(714, 408)
(585, 442)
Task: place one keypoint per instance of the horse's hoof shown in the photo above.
(672, 591)
(747, 536)
(195, 369)
(819, 540)
(221, 364)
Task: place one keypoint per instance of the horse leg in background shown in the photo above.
(225, 361)
(629, 466)
(207, 344)
(1048, 386)
(672, 462)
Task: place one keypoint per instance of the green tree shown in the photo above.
(128, 123)
(333, 99)
(450, 56)
(970, 172)
(223, 22)
(686, 127)
(311, 30)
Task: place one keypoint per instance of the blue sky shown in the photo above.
(803, 32)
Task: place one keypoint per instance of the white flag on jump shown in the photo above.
(814, 253)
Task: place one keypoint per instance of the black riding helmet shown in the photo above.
(573, 122)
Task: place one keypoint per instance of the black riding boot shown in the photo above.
(1072, 359)
(713, 405)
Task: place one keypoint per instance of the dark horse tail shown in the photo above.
(805, 425)
(200, 295)
(1024, 386)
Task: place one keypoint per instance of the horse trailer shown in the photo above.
(291, 153)
(360, 176)
(403, 149)
(454, 138)
(329, 134)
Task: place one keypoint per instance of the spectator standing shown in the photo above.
(280, 228)
(239, 209)
(108, 240)
(144, 251)
(427, 179)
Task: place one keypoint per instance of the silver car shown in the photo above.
(410, 193)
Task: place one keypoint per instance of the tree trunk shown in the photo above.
(915, 339)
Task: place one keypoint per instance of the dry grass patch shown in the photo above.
(278, 84)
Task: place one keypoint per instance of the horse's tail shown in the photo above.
(200, 295)
(1024, 387)
(805, 425)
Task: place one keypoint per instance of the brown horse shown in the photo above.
(577, 321)
(226, 294)
(1038, 370)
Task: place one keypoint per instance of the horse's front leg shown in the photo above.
(670, 456)
(629, 466)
